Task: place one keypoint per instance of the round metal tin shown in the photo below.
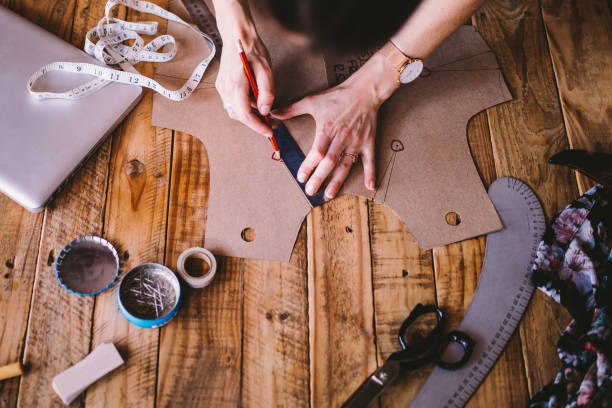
(149, 295)
(87, 266)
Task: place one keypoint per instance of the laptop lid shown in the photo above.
(43, 142)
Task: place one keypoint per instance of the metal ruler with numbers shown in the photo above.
(204, 19)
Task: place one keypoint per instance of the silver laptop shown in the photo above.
(43, 142)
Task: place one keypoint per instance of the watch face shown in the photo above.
(411, 72)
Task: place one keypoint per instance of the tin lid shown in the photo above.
(87, 266)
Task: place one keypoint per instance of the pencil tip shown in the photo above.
(239, 44)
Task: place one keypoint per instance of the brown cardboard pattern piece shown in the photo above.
(424, 167)
(423, 164)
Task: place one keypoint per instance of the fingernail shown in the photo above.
(371, 185)
(301, 177)
(329, 194)
(264, 110)
(309, 189)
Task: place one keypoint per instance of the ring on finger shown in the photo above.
(354, 156)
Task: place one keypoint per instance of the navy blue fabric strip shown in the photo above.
(293, 157)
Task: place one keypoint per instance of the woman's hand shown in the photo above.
(235, 23)
(345, 119)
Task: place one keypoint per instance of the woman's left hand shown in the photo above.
(345, 119)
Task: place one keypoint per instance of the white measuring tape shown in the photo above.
(199, 253)
(105, 43)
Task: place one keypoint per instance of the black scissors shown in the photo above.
(414, 354)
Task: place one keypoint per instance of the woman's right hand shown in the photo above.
(235, 23)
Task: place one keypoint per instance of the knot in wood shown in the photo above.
(134, 168)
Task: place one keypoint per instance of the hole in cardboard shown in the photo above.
(248, 234)
(452, 218)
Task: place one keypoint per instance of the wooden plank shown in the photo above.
(458, 268)
(342, 350)
(54, 16)
(580, 42)
(19, 240)
(200, 350)
(402, 276)
(59, 327)
(525, 132)
(479, 140)
(275, 369)
(20, 230)
(135, 222)
(87, 14)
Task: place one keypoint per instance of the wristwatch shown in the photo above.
(408, 68)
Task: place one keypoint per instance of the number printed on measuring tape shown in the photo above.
(105, 43)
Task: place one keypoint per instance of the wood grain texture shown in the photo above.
(19, 242)
(55, 16)
(275, 369)
(342, 349)
(479, 140)
(402, 276)
(59, 327)
(580, 40)
(528, 129)
(201, 361)
(200, 350)
(135, 223)
(87, 14)
(458, 267)
(525, 133)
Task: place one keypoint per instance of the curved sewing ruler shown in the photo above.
(501, 297)
(433, 175)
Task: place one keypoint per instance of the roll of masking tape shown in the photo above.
(198, 254)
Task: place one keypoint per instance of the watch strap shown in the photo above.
(396, 57)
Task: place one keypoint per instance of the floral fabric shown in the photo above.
(573, 266)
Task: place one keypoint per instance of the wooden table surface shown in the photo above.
(286, 334)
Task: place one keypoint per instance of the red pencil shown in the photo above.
(249, 73)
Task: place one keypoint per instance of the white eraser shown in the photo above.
(70, 383)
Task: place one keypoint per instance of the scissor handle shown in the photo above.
(466, 343)
(432, 347)
(418, 311)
